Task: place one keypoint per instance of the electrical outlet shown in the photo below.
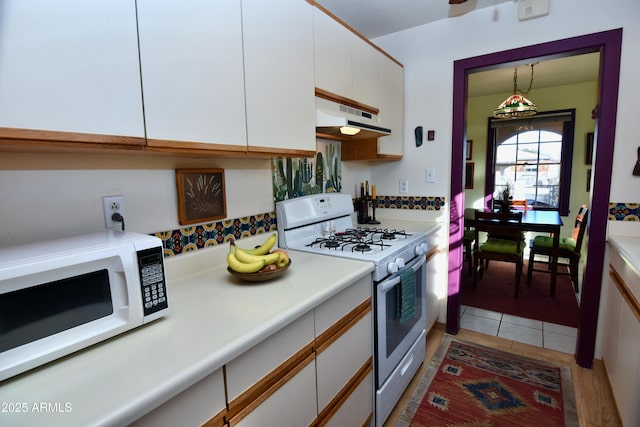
(404, 186)
(110, 206)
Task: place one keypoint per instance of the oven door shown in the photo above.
(400, 315)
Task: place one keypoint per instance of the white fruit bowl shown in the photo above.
(258, 276)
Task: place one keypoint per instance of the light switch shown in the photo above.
(429, 175)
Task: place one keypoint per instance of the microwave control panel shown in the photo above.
(152, 280)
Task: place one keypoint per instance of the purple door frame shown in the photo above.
(608, 43)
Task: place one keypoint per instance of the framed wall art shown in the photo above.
(588, 149)
(201, 195)
(468, 176)
(469, 149)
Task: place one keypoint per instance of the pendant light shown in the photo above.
(517, 105)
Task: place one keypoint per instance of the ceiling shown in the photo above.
(376, 18)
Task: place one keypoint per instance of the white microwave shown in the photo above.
(60, 296)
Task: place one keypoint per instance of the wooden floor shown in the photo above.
(595, 404)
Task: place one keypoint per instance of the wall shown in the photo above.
(47, 196)
(428, 53)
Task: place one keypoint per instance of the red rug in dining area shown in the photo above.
(496, 292)
(467, 384)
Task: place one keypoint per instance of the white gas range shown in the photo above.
(322, 224)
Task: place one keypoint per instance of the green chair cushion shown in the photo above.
(546, 242)
(502, 246)
(469, 235)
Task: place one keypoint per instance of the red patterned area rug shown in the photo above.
(469, 385)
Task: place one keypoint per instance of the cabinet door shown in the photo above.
(285, 408)
(192, 73)
(391, 106)
(332, 50)
(70, 66)
(365, 73)
(278, 54)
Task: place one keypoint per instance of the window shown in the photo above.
(532, 158)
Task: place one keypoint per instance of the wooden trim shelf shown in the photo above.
(325, 94)
(35, 137)
(626, 293)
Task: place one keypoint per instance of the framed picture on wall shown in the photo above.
(468, 176)
(201, 195)
(588, 149)
(469, 149)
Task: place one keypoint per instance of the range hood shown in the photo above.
(343, 122)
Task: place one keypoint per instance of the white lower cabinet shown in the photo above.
(315, 371)
(344, 343)
(288, 380)
(622, 339)
(203, 402)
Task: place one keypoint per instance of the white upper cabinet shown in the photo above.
(192, 72)
(279, 75)
(70, 66)
(391, 114)
(364, 72)
(345, 64)
(332, 50)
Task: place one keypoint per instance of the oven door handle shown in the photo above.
(395, 279)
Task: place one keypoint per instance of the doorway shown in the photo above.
(608, 43)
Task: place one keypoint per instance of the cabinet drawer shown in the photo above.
(330, 312)
(256, 370)
(290, 405)
(201, 403)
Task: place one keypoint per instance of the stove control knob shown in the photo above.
(421, 249)
(392, 267)
(400, 262)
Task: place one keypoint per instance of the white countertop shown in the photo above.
(213, 318)
(629, 249)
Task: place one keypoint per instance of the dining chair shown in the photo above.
(468, 238)
(508, 247)
(568, 248)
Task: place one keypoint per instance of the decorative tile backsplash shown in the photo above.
(619, 211)
(429, 203)
(201, 236)
(215, 233)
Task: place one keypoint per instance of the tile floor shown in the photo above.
(529, 331)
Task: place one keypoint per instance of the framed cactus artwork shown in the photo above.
(201, 195)
(295, 177)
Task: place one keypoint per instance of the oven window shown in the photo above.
(403, 314)
(28, 315)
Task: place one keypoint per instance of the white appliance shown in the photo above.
(322, 224)
(60, 296)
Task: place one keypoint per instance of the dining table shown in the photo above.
(542, 221)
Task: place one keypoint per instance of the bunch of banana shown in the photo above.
(256, 259)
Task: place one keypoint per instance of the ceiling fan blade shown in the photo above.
(457, 1)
